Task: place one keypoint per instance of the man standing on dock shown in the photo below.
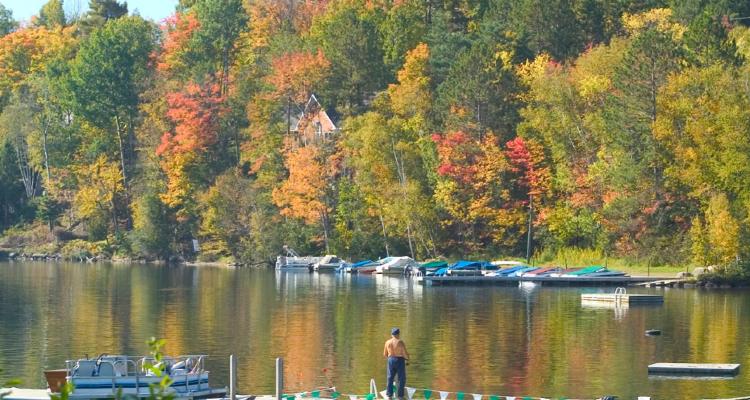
(395, 351)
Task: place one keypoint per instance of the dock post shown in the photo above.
(279, 378)
(232, 377)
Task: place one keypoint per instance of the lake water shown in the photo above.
(330, 329)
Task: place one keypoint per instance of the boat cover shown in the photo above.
(361, 263)
(434, 264)
(587, 270)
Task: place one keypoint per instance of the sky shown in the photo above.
(152, 9)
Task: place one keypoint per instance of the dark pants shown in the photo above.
(396, 367)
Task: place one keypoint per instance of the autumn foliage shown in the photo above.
(435, 130)
(194, 114)
(295, 74)
(178, 29)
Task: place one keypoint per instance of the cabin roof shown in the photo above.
(314, 114)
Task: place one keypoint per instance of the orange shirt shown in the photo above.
(395, 347)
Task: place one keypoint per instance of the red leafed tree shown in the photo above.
(525, 159)
(178, 30)
(194, 113)
(458, 153)
(473, 190)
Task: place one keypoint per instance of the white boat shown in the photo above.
(296, 263)
(293, 262)
(328, 263)
(117, 376)
(396, 265)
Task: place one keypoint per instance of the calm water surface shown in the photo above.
(328, 328)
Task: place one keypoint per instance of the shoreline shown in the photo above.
(659, 280)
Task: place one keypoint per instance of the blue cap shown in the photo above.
(395, 331)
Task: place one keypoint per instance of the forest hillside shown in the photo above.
(427, 128)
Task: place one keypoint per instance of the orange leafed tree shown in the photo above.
(302, 195)
(269, 17)
(27, 50)
(195, 113)
(296, 73)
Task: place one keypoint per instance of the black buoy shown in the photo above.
(653, 332)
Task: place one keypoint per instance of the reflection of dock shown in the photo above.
(544, 280)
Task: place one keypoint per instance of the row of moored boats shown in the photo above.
(408, 266)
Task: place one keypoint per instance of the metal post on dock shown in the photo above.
(232, 377)
(279, 378)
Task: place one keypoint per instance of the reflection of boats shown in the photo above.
(328, 263)
(395, 265)
(111, 376)
(293, 261)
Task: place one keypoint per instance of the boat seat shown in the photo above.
(121, 368)
(106, 369)
(85, 368)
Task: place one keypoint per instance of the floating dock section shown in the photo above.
(694, 369)
(622, 298)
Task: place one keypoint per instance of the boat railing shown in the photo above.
(140, 364)
(113, 362)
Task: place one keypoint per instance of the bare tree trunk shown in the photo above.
(122, 151)
(46, 154)
(324, 221)
(402, 181)
(385, 235)
(28, 175)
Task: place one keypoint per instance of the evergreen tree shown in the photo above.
(7, 23)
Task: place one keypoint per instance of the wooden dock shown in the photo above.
(542, 280)
(694, 369)
(623, 298)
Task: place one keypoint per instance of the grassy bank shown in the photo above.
(573, 258)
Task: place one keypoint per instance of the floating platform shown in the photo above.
(694, 369)
(621, 298)
(25, 394)
(543, 280)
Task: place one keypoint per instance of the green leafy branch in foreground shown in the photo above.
(10, 383)
(65, 392)
(158, 391)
